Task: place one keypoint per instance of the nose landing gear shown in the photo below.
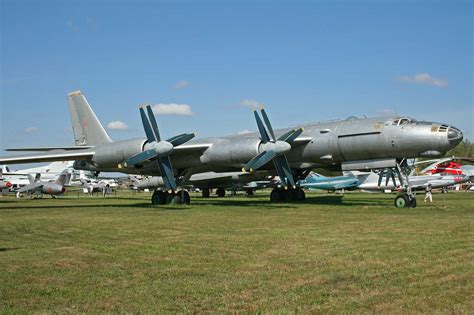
(405, 201)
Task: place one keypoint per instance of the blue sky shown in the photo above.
(305, 60)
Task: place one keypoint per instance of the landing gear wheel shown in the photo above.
(249, 192)
(157, 197)
(401, 201)
(300, 194)
(220, 192)
(182, 198)
(290, 194)
(412, 202)
(279, 194)
(206, 193)
(275, 195)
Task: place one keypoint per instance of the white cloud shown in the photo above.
(173, 109)
(72, 27)
(423, 78)
(181, 84)
(253, 104)
(243, 132)
(31, 129)
(117, 125)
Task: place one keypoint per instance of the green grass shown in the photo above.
(355, 253)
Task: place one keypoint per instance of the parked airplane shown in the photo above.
(50, 172)
(371, 182)
(4, 184)
(353, 144)
(318, 181)
(39, 187)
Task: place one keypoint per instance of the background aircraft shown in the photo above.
(318, 181)
(370, 143)
(50, 172)
(4, 184)
(39, 187)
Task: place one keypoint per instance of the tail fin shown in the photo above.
(32, 180)
(64, 178)
(85, 125)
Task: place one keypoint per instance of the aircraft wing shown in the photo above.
(30, 187)
(49, 156)
(191, 147)
(34, 149)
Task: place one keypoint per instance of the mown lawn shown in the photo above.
(355, 253)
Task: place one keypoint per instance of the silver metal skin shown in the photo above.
(327, 145)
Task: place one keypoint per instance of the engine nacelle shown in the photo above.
(235, 150)
(111, 154)
(53, 189)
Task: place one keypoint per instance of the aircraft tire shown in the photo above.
(412, 203)
(156, 197)
(300, 194)
(206, 193)
(249, 192)
(182, 198)
(290, 195)
(275, 195)
(401, 201)
(220, 192)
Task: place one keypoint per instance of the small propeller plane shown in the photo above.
(351, 144)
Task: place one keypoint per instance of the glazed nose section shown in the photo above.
(454, 136)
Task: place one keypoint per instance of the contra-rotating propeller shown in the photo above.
(273, 149)
(156, 149)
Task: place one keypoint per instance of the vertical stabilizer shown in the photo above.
(86, 127)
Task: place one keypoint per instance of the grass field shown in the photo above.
(355, 253)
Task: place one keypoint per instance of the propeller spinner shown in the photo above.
(158, 150)
(273, 149)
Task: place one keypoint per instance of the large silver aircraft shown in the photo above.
(352, 144)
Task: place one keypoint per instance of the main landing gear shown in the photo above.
(168, 198)
(405, 201)
(287, 194)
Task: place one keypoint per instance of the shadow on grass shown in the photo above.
(4, 249)
(254, 202)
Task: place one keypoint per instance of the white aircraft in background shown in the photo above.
(48, 173)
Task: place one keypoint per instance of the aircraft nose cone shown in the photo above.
(455, 136)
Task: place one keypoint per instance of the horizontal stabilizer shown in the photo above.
(40, 149)
(50, 156)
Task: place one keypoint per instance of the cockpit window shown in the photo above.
(402, 121)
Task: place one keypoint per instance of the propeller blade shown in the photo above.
(282, 166)
(268, 124)
(154, 125)
(146, 125)
(166, 170)
(259, 160)
(285, 135)
(293, 135)
(261, 128)
(140, 158)
(180, 139)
